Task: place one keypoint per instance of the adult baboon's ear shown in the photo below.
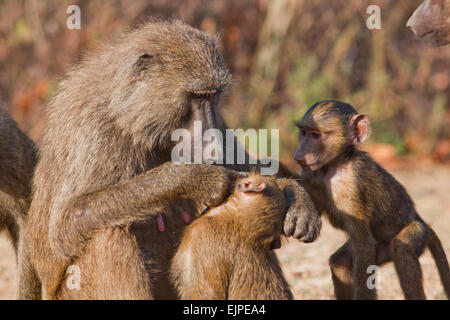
(141, 64)
(360, 128)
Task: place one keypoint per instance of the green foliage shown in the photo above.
(384, 134)
(21, 32)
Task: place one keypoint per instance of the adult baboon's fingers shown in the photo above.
(235, 175)
(242, 174)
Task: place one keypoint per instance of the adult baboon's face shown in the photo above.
(431, 22)
(178, 77)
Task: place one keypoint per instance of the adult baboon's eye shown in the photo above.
(145, 56)
(316, 134)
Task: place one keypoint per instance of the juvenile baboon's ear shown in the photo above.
(251, 186)
(141, 64)
(360, 128)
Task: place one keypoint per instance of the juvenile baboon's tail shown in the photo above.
(438, 253)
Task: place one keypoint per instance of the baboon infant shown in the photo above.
(226, 254)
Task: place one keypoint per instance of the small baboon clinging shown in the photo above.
(431, 22)
(17, 161)
(226, 253)
(106, 197)
(361, 198)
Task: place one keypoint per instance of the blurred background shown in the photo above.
(284, 56)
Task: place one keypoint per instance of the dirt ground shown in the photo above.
(306, 265)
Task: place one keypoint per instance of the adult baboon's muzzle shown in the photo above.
(203, 109)
(426, 22)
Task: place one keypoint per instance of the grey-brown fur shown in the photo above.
(94, 195)
(17, 162)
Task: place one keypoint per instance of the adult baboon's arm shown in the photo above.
(74, 222)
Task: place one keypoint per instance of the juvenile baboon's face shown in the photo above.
(327, 130)
(321, 137)
(178, 76)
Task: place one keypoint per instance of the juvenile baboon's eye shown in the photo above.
(316, 134)
(303, 132)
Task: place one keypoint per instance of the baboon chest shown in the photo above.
(333, 190)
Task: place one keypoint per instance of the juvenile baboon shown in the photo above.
(226, 253)
(431, 22)
(361, 198)
(104, 172)
(17, 161)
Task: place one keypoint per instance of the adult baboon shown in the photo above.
(431, 22)
(17, 161)
(104, 172)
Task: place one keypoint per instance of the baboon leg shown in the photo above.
(29, 285)
(383, 254)
(341, 263)
(111, 269)
(12, 229)
(405, 249)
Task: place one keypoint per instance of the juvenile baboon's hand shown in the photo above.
(302, 221)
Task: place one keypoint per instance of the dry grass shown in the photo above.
(306, 265)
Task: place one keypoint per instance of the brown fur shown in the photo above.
(17, 161)
(431, 22)
(361, 198)
(225, 254)
(103, 173)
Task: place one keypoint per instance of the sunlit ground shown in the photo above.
(306, 265)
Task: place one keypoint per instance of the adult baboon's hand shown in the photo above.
(210, 185)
